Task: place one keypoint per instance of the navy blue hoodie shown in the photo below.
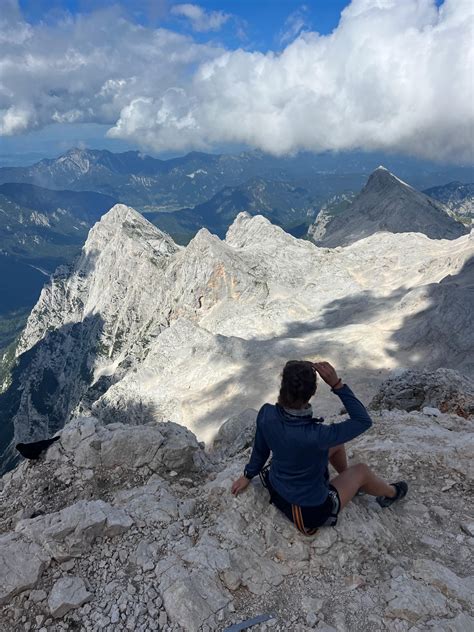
(300, 447)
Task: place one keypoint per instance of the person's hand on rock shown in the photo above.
(239, 485)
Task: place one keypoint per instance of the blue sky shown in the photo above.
(260, 20)
(278, 75)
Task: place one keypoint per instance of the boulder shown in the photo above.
(71, 531)
(411, 600)
(443, 389)
(191, 596)
(21, 565)
(159, 446)
(152, 504)
(236, 434)
(67, 593)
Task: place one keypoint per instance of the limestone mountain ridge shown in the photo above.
(198, 333)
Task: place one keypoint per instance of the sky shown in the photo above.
(281, 76)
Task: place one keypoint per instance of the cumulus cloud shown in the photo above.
(80, 70)
(200, 19)
(393, 76)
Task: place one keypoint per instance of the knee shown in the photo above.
(363, 470)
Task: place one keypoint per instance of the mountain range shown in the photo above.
(283, 203)
(43, 228)
(195, 333)
(150, 184)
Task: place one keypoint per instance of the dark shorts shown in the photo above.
(324, 515)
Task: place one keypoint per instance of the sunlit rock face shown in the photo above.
(142, 329)
(386, 203)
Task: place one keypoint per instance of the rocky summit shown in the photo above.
(123, 527)
(386, 203)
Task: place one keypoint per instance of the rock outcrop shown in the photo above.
(95, 536)
(444, 389)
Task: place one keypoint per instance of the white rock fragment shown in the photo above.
(411, 600)
(468, 527)
(431, 412)
(71, 531)
(67, 593)
(461, 623)
(442, 578)
(21, 564)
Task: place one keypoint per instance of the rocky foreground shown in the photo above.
(134, 528)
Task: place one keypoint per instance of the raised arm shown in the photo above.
(359, 419)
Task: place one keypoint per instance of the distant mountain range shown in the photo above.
(386, 203)
(45, 227)
(40, 229)
(151, 184)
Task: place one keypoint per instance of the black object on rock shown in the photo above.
(35, 449)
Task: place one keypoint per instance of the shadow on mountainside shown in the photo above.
(131, 413)
(47, 383)
(440, 335)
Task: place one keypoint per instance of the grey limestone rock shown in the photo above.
(67, 593)
(71, 531)
(460, 623)
(412, 600)
(236, 434)
(21, 565)
(442, 578)
(444, 389)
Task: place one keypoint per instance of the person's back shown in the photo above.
(302, 447)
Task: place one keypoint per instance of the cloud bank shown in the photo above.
(395, 76)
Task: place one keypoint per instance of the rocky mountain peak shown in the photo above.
(386, 203)
(381, 178)
(255, 229)
(124, 223)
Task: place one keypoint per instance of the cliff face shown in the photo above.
(198, 333)
(386, 203)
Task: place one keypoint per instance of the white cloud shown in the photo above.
(295, 23)
(200, 19)
(394, 75)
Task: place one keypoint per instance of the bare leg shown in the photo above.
(338, 458)
(357, 477)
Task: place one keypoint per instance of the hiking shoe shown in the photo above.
(385, 501)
